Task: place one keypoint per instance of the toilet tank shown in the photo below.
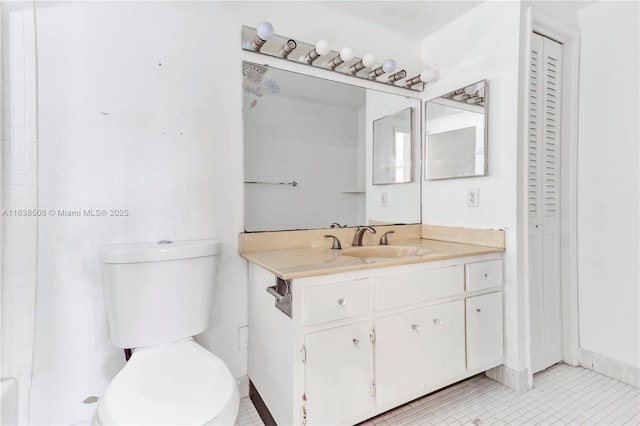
(158, 292)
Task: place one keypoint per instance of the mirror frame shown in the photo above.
(485, 168)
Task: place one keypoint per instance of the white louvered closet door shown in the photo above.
(544, 201)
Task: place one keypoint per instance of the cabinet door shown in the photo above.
(338, 374)
(418, 349)
(399, 356)
(444, 330)
(484, 330)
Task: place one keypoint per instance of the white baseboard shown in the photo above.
(516, 380)
(243, 386)
(609, 367)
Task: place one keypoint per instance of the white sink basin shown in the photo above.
(383, 251)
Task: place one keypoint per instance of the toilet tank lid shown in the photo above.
(158, 251)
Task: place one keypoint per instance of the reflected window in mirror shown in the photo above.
(392, 149)
(402, 150)
(456, 133)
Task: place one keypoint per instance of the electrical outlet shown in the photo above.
(473, 197)
(383, 199)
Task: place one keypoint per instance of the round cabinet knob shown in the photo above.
(416, 328)
(437, 321)
(357, 343)
(486, 275)
(478, 310)
(343, 302)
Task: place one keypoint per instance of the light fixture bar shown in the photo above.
(343, 62)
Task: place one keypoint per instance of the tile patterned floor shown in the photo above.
(562, 395)
(247, 414)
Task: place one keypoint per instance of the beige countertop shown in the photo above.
(290, 263)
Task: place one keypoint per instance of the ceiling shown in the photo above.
(415, 19)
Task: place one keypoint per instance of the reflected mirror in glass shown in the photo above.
(456, 133)
(392, 149)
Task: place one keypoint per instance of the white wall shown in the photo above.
(608, 181)
(286, 141)
(140, 108)
(483, 44)
(19, 195)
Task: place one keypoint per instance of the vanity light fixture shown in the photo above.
(397, 76)
(387, 66)
(262, 40)
(287, 48)
(346, 54)
(424, 77)
(321, 49)
(472, 94)
(367, 61)
(265, 32)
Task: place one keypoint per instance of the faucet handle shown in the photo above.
(384, 241)
(336, 242)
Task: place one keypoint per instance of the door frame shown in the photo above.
(569, 37)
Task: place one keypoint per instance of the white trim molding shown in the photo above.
(243, 386)
(516, 380)
(626, 373)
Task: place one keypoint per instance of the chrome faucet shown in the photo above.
(357, 238)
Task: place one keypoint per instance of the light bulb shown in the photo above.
(368, 60)
(322, 47)
(426, 76)
(389, 65)
(470, 90)
(265, 30)
(346, 54)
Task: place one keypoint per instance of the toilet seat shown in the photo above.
(177, 383)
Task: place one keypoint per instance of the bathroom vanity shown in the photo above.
(373, 335)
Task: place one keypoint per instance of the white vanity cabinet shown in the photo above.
(360, 343)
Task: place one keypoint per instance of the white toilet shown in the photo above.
(158, 296)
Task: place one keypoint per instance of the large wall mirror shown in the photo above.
(309, 153)
(456, 133)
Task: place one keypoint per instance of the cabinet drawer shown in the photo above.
(397, 290)
(334, 301)
(483, 275)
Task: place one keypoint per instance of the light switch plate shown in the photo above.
(383, 199)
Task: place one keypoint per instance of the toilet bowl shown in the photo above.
(176, 383)
(158, 296)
